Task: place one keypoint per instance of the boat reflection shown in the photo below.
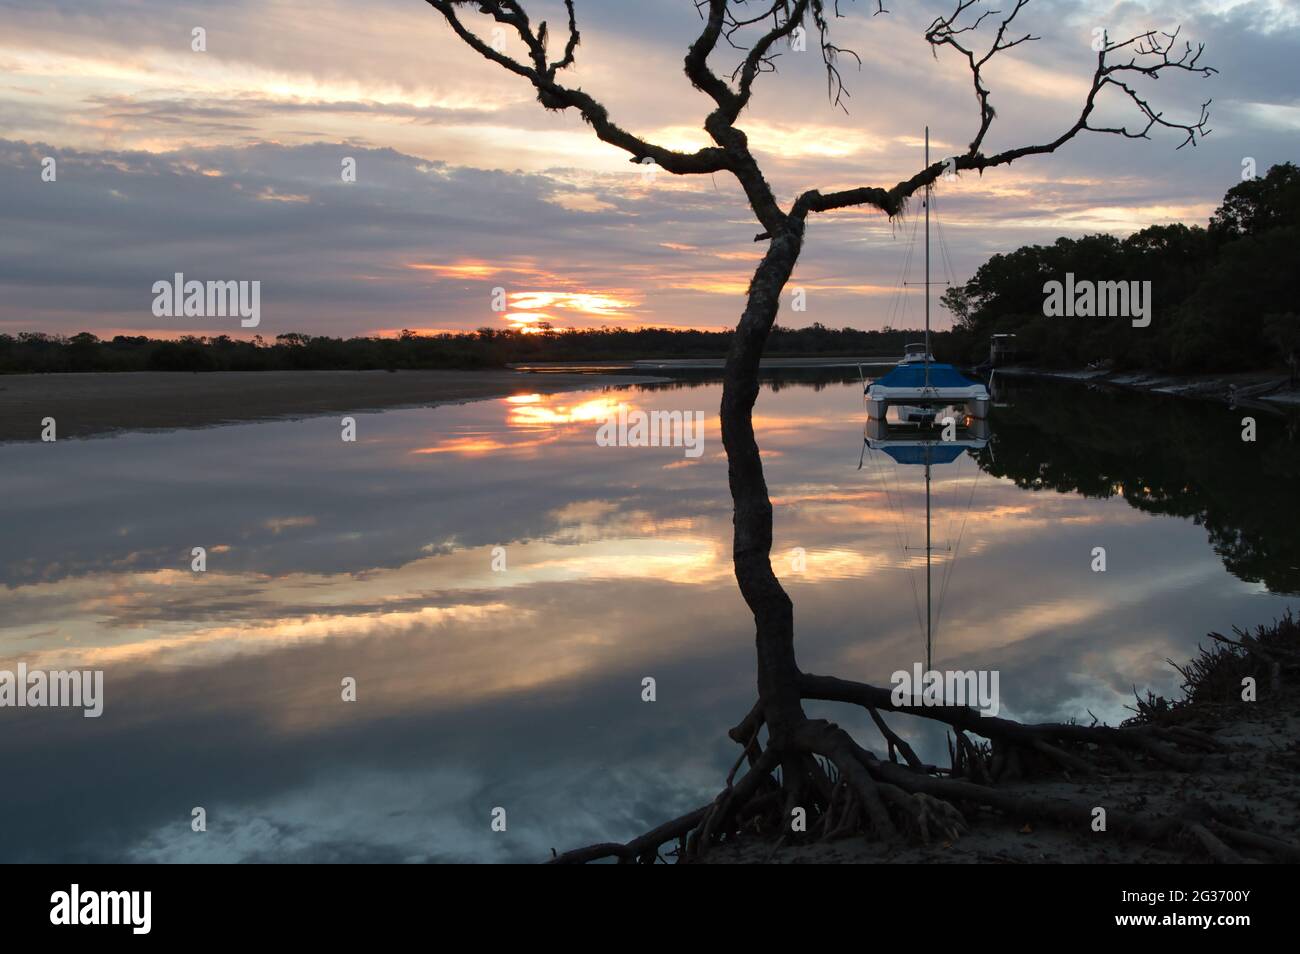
(942, 436)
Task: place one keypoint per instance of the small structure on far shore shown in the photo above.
(1002, 348)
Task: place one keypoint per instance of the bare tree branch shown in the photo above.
(1151, 57)
(697, 57)
(758, 59)
(571, 47)
(554, 95)
(944, 32)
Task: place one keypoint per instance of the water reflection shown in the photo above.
(1169, 457)
(520, 687)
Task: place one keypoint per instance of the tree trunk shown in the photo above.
(778, 673)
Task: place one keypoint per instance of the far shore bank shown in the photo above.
(85, 404)
(766, 363)
(1268, 390)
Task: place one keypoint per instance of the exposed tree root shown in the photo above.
(818, 784)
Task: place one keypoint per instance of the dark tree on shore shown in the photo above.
(842, 787)
(1223, 297)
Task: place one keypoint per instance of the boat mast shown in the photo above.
(926, 286)
(928, 551)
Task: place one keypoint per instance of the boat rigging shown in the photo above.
(926, 414)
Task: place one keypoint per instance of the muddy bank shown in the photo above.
(1248, 389)
(1242, 796)
(1260, 782)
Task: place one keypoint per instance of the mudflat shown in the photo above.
(85, 404)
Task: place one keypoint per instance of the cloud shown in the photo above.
(226, 162)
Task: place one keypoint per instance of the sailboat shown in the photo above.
(918, 385)
(939, 415)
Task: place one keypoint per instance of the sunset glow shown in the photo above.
(464, 185)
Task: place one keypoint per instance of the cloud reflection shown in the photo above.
(376, 561)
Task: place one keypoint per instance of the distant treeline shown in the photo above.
(485, 348)
(1224, 297)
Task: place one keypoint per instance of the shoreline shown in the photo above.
(1264, 391)
(102, 403)
(1250, 780)
(767, 363)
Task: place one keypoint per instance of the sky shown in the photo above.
(225, 164)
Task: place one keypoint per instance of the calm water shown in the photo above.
(521, 688)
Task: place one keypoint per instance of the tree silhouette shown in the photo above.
(841, 786)
(1222, 296)
(1200, 469)
(1259, 204)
